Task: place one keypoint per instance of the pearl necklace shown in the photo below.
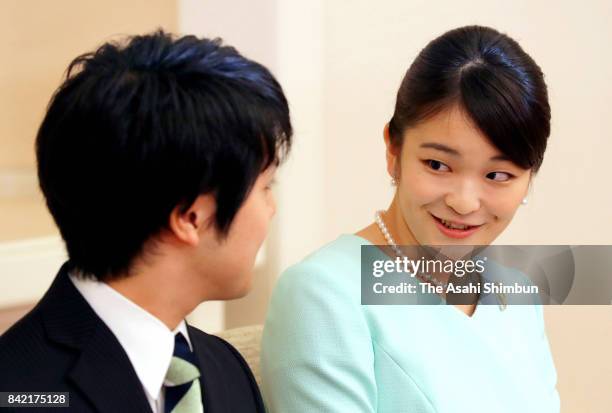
(385, 231)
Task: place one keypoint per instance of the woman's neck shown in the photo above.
(397, 226)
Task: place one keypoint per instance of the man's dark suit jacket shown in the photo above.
(62, 345)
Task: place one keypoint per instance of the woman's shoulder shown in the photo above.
(331, 273)
(340, 258)
(323, 289)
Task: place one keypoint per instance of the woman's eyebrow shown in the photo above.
(440, 147)
(455, 152)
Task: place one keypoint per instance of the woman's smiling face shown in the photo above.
(454, 186)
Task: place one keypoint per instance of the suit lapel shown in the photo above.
(103, 371)
(106, 376)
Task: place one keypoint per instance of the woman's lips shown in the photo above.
(453, 232)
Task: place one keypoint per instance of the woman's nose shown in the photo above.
(464, 200)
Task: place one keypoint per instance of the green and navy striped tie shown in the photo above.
(182, 384)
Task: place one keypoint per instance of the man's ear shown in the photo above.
(392, 154)
(187, 225)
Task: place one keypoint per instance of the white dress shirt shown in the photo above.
(148, 342)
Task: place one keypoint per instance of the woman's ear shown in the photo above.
(392, 154)
(187, 225)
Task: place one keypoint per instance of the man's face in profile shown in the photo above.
(229, 261)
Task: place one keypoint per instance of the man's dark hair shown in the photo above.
(489, 75)
(143, 126)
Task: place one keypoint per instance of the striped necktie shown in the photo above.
(182, 386)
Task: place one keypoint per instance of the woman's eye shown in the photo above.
(437, 165)
(499, 176)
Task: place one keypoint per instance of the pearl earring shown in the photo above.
(524, 201)
(393, 182)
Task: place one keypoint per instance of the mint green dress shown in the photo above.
(322, 351)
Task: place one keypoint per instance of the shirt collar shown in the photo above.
(148, 342)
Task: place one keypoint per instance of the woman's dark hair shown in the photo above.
(143, 126)
(494, 81)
